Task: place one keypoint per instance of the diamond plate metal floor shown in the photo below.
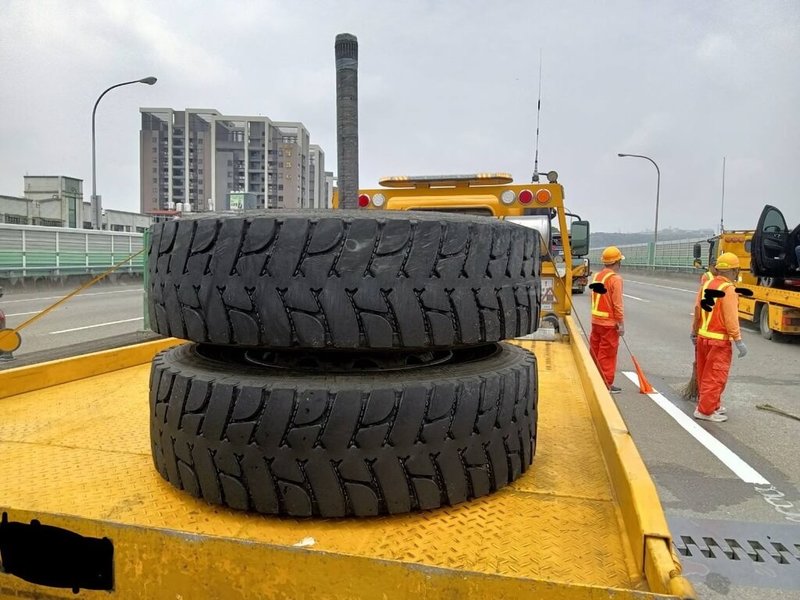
(83, 449)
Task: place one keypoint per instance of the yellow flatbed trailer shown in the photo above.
(775, 309)
(583, 523)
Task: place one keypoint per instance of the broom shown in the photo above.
(644, 385)
(689, 391)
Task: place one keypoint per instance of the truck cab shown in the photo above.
(775, 254)
(536, 205)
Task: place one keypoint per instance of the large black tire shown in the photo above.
(293, 443)
(343, 279)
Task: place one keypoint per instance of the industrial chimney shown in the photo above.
(347, 118)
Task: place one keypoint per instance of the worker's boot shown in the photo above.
(715, 417)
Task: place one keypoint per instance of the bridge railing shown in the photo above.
(673, 256)
(30, 251)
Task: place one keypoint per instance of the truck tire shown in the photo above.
(763, 322)
(334, 445)
(343, 279)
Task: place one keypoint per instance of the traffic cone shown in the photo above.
(644, 385)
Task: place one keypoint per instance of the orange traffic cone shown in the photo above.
(644, 385)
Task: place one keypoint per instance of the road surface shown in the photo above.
(734, 481)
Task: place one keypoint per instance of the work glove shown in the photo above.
(693, 337)
(621, 329)
(741, 348)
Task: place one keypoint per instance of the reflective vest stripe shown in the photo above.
(596, 312)
(707, 316)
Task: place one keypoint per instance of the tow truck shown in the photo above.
(766, 259)
(83, 510)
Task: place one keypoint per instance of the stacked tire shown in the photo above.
(342, 363)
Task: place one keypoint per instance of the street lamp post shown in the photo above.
(658, 190)
(97, 207)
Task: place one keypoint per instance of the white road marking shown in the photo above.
(35, 312)
(731, 460)
(81, 295)
(666, 287)
(97, 325)
(635, 298)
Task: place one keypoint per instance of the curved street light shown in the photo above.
(97, 208)
(658, 189)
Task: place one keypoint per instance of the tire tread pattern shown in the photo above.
(344, 279)
(340, 446)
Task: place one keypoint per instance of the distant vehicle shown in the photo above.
(768, 262)
(581, 267)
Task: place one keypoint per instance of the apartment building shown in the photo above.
(316, 177)
(196, 158)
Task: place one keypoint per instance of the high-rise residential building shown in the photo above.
(199, 157)
(316, 177)
(330, 183)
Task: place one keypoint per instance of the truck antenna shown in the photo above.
(535, 178)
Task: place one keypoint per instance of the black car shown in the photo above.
(775, 249)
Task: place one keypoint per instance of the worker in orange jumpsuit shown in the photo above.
(715, 325)
(607, 315)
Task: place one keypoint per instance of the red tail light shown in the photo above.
(525, 196)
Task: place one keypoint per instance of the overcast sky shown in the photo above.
(445, 87)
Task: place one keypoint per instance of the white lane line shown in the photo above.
(97, 325)
(666, 287)
(35, 312)
(635, 298)
(137, 290)
(731, 460)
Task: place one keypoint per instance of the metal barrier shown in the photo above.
(673, 256)
(31, 251)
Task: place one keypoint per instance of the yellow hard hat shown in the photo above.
(727, 260)
(611, 255)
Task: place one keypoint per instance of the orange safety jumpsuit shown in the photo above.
(606, 316)
(715, 330)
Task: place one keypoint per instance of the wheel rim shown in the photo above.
(342, 361)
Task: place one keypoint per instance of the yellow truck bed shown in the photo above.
(582, 522)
